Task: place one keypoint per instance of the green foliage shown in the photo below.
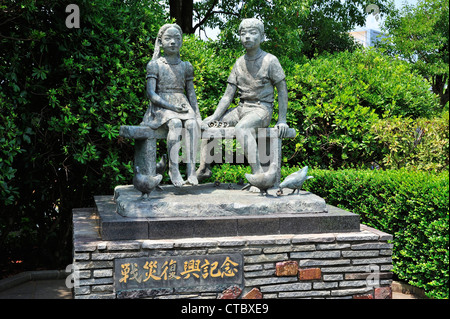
(212, 66)
(420, 34)
(420, 144)
(327, 26)
(11, 140)
(293, 28)
(281, 22)
(229, 173)
(410, 205)
(64, 94)
(335, 99)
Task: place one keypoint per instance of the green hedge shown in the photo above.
(410, 205)
(65, 93)
(334, 102)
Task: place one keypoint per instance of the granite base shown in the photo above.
(209, 211)
(348, 265)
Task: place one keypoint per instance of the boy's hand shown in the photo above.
(207, 121)
(282, 129)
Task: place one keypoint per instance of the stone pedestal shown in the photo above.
(300, 250)
(215, 211)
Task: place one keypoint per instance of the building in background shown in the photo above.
(367, 37)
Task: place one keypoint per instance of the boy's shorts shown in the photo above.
(259, 114)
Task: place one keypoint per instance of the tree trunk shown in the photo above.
(182, 11)
(440, 87)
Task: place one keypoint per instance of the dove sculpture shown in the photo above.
(145, 183)
(263, 181)
(295, 180)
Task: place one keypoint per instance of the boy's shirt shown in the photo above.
(256, 87)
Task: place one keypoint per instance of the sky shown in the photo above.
(373, 22)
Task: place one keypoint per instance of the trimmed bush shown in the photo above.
(419, 144)
(335, 99)
(413, 206)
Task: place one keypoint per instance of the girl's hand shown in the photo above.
(181, 109)
(199, 120)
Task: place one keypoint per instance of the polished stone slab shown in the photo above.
(214, 223)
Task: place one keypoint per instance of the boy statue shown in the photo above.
(254, 76)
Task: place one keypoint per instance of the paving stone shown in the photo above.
(383, 293)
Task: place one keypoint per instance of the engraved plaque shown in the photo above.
(179, 272)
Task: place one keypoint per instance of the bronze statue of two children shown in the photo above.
(173, 102)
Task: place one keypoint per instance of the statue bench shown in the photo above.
(145, 144)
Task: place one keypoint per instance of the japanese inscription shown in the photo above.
(177, 271)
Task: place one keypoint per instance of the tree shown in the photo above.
(64, 92)
(419, 34)
(327, 26)
(281, 17)
(295, 27)
(182, 11)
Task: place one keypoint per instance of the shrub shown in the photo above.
(420, 144)
(335, 99)
(410, 205)
(64, 94)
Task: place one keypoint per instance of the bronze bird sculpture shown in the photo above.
(145, 183)
(263, 181)
(295, 180)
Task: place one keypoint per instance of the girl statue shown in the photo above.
(173, 103)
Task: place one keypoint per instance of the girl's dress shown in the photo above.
(170, 86)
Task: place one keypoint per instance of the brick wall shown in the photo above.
(342, 265)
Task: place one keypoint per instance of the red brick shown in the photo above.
(286, 268)
(383, 293)
(363, 296)
(253, 294)
(309, 274)
(231, 293)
